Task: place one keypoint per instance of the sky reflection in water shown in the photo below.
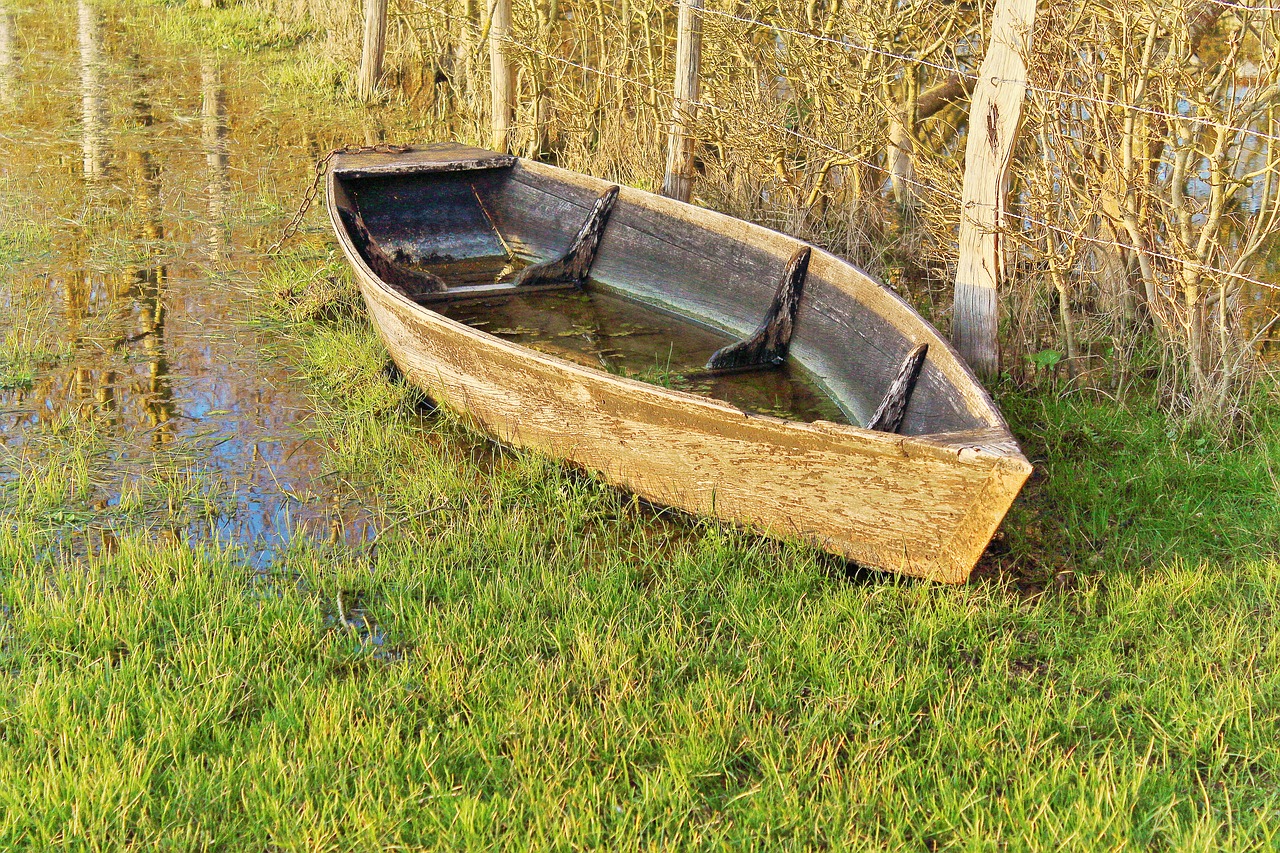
(138, 188)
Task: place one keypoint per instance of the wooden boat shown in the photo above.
(916, 481)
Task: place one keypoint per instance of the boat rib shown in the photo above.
(768, 346)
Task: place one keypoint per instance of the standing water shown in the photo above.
(138, 185)
(603, 330)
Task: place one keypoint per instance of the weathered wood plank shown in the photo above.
(413, 283)
(994, 440)
(430, 221)
(439, 157)
(769, 344)
(888, 415)
(458, 293)
(573, 267)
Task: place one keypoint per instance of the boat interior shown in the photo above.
(648, 288)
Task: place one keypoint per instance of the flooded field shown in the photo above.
(141, 187)
(138, 190)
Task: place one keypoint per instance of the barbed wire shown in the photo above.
(622, 78)
(1241, 6)
(1204, 120)
(1030, 220)
(845, 43)
(963, 73)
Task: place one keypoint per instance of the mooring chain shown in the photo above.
(322, 168)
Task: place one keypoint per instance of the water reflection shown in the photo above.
(92, 93)
(1261, 309)
(148, 289)
(77, 284)
(213, 135)
(140, 338)
(8, 61)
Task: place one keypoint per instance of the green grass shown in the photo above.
(1123, 486)
(233, 27)
(28, 348)
(529, 658)
(21, 240)
(311, 285)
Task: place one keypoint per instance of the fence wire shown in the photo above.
(577, 47)
(972, 76)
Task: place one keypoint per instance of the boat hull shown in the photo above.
(919, 505)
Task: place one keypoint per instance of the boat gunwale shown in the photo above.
(965, 451)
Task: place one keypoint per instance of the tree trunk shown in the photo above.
(464, 59)
(901, 170)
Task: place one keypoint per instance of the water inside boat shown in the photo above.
(603, 329)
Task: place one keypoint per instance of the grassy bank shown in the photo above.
(526, 658)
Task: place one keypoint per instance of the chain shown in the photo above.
(322, 168)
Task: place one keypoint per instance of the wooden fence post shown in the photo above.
(678, 182)
(375, 43)
(501, 74)
(994, 115)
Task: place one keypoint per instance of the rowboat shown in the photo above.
(694, 359)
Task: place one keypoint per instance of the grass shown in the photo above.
(1121, 486)
(233, 27)
(20, 240)
(26, 348)
(528, 658)
(27, 343)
